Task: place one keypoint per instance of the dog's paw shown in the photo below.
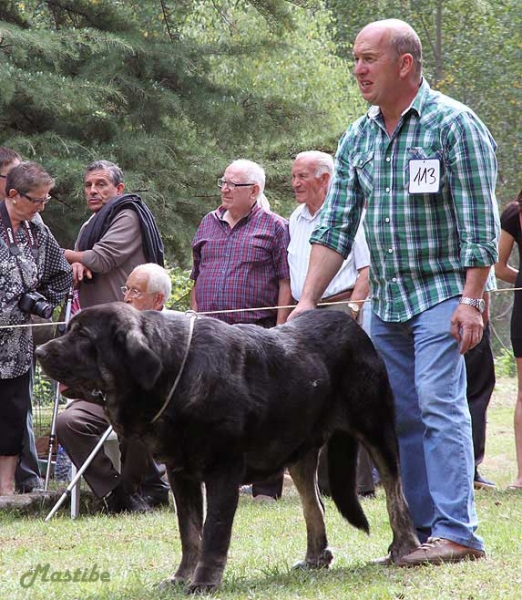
(401, 548)
(200, 588)
(170, 583)
(322, 561)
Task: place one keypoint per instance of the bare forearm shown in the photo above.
(324, 264)
(476, 278)
(506, 273)
(361, 289)
(72, 256)
(193, 303)
(284, 299)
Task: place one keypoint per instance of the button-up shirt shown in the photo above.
(302, 224)
(240, 267)
(420, 244)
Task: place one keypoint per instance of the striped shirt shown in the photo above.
(302, 224)
(240, 267)
(420, 244)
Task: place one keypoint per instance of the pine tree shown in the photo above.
(142, 84)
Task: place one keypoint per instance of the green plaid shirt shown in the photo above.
(420, 244)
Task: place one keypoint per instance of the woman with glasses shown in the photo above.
(34, 278)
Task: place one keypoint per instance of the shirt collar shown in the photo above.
(416, 105)
(305, 213)
(221, 210)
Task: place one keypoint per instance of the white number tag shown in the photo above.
(424, 176)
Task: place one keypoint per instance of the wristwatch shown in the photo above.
(478, 303)
(355, 308)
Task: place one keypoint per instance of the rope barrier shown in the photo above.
(233, 310)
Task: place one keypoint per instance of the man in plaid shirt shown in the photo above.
(240, 262)
(425, 167)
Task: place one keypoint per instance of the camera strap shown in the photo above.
(10, 236)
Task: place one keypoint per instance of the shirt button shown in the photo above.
(387, 220)
(390, 250)
(388, 159)
(387, 189)
(394, 279)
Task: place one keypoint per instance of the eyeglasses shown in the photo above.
(231, 185)
(133, 292)
(36, 200)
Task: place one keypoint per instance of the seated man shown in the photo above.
(139, 487)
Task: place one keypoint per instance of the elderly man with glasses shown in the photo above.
(139, 486)
(240, 262)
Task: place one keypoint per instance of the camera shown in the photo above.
(36, 304)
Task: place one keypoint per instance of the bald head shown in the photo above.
(400, 38)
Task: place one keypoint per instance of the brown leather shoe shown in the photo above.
(437, 551)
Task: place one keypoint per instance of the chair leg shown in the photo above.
(75, 494)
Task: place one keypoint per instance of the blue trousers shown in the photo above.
(428, 379)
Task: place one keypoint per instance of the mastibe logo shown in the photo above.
(45, 573)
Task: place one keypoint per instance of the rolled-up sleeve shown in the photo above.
(472, 167)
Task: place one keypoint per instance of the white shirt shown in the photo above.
(302, 224)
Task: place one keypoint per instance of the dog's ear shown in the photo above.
(145, 365)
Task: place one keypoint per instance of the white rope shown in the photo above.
(234, 310)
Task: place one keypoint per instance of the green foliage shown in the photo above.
(181, 286)
(43, 393)
(172, 92)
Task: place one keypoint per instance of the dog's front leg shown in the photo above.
(188, 496)
(304, 475)
(222, 498)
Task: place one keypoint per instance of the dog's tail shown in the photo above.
(342, 473)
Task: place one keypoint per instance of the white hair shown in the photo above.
(159, 279)
(255, 174)
(323, 161)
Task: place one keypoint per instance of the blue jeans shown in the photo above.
(428, 379)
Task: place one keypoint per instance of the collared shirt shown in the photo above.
(240, 267)
(420, 244)
(302, 225)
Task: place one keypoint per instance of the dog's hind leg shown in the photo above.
(188, 496)
(304, 475)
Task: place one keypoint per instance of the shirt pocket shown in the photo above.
(427, 152)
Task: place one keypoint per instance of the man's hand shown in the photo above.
(80, 272)
(302, 305)
(467, 327)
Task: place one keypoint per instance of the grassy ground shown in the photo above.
(133, 553)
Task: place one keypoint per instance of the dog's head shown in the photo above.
(105, 349)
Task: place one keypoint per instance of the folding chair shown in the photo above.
(111, 447)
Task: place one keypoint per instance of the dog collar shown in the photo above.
(193, 316)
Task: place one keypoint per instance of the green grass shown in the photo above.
(136, 552)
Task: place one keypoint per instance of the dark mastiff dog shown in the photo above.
(247, 402)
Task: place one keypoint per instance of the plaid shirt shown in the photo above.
(240, 267)
(420, 244)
